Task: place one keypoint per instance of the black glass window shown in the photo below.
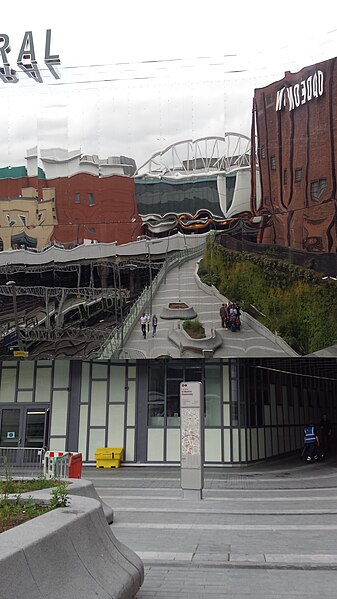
(213, 397)
(156, 397)
(178, 197)
(298, 175)
(317, 189)
(173, 401)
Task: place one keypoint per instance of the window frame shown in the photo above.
(320, 188)
(298, 175)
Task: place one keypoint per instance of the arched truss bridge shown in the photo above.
(206, 155)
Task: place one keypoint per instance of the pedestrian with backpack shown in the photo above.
(223, 315)
(143, 321)
(154, 325)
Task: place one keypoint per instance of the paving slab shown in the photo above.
(267, 531)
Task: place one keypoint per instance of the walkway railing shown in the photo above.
(21, 461)
(114, 344)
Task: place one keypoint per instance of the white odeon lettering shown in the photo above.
(300, 93)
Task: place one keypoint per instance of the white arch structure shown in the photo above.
(206, 155)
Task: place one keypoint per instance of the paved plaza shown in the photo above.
(263, 531)
(181, 286)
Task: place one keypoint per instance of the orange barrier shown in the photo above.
(75, 465)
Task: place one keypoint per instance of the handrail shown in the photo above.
(113, 345)
(26, 460)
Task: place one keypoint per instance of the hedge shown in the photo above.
(291, 300)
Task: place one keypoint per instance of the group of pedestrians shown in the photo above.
(146, 320)
(230, 312)
(317, 440)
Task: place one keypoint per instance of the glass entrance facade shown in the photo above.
(253, 409)
(159, 396)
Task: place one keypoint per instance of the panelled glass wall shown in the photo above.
(32, 392)
(253, 409)
(276, 402)
(107, 408)
(163, 407)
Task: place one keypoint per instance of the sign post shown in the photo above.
(191, 440)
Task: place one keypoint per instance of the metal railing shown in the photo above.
(114, 344)
(22, 461)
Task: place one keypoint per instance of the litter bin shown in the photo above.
(108, 457)
(75, 465)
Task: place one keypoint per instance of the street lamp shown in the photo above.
(120, 299)
(148, 243)
(121, 306)
(150, 272)
(115, 294)
(119, 266)
(166, 253)
(12, 285)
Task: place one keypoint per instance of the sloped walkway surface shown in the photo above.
(182, 285)
(265, 531)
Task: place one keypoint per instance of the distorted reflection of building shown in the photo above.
(90, 200)
(195, 186)
(26, 221)
(295, 120)
(192, 186)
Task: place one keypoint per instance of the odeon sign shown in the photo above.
(300, 93)
(26, 59)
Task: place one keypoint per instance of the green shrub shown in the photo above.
(59, 496)
(16, 512)
(194, 329)
(295, 301)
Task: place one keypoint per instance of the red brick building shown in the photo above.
(295, 122)
(101, 209)
(87, 207)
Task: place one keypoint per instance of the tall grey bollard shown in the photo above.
(191, 440)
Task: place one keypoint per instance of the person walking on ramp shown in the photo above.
(143, 321)
(154, 325)
(223, 315)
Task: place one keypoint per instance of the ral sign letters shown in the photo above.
(26, 60)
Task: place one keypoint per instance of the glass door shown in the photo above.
(24, 427)
(36, 427)
(23, 434)
(10, 427)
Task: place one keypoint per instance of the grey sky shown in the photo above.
(207, 60)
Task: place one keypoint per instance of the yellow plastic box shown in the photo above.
(108, 457)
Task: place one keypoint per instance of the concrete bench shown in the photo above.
(66, 553)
